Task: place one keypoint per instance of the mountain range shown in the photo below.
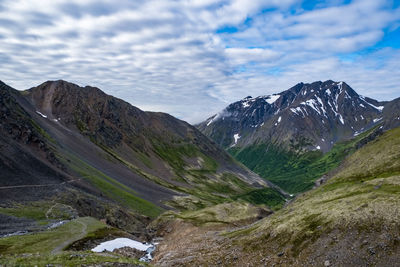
(320, 113)
(306, 177)
(86, 149)
(289, 131)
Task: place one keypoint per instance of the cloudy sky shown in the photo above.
(191, 58)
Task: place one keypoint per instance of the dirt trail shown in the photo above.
(38, 185)
(82, 234)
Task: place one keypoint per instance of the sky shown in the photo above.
(191, 58)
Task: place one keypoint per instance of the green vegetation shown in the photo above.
(226, 213)
(175, 156)
(43, 248)
(42, 131)
(364, 195)
(294, 172)
(265, 196)
(205, 186)
(112, 188)
(46, 241)
(40, 211)
(33, 210)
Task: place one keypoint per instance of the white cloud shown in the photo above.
(168, 56)
(239, 56)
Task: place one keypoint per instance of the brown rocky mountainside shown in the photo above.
(98, 153)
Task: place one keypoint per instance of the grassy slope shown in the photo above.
(34, 249)
(204, 185)
(266, 196)
(293, 172)
(364, 195)
(112, 188)
(230, 213)
(46, 241)
(42, 212)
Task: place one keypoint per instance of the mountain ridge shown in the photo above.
(102, 156)
(281, 136)
(327, 106)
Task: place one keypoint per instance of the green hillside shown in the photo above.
(363, 198)
(294, 172)
(351, 220)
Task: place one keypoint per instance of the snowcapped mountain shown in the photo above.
(307, 116)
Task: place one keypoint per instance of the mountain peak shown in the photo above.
(323, 112)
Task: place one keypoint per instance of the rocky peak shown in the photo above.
(324, 112)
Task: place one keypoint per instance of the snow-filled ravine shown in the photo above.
(126, 242)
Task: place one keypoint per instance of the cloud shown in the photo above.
(240, 56)
(191, 58)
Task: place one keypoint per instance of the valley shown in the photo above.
(296, 178)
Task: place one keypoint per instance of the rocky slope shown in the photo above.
(61, 143)
(350, 220)
(318, 114)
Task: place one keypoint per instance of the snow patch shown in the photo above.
(41, 114)
(224, 113)
(236, 137)
(336, 102)
(119, 243)
(279, 119)
(313, 104)
(328, 91)
(322, 106)
(341, 118)
(213, 118)
(210, 121)
(380, 108)
(247, 101)
(340, 85)
(272, 98)
(318, 147)
(376, 120)
(297, 111)
(126, 242)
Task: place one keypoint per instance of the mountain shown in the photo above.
(99, 156)
(321, 113)
(350, 220)
(80, 167)
(279, 136)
